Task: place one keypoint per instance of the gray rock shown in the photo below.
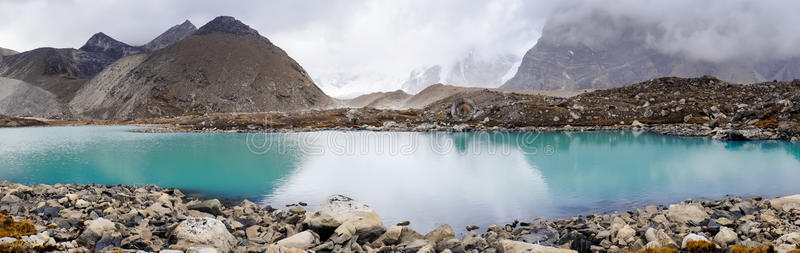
(725, 236)
(442, 232)
(786, 203)
(212, 206)
(692, 237)
(303, 240)
(95, 230)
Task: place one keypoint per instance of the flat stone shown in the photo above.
(683, 213)
(509, 246)
(440, 233)
(786, 203)
(212, 206)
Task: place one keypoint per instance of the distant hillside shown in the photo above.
(6, 51)
(226, 66)
(380, 100)
(598, 51)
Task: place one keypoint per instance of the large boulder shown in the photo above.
(303, 240)
(441, 233)
(399, 234)
(212, 206)
(683, 213)
(509, 246)
(196, 231)
(725, 236)
(692, 237)
(342, 218)
(786, 203)
(95, 230)
(657, 238)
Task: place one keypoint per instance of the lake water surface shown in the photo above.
(427, 178)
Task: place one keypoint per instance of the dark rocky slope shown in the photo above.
(43, 81)
(171, 36)
(599, 50)
(226, 66)
(6, 51)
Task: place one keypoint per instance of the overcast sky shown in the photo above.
(374, 44)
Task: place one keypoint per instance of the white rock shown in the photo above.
(201, 250)
(692, 237)
(303, 240)
(790, 238)
(10, 198)
(725, 236)
(81, 204)
(5, 240)
(338, 210)
(786, 203)
(509, 246)
(683, 213)
(626, 234)
(204, 232)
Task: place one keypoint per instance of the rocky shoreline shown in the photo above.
(85, 218)
(686, 130)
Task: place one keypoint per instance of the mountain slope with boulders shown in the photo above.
(42, 82)
(224, 67)
(599, 50)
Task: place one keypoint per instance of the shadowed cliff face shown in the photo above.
(225, 67)
(598, 49)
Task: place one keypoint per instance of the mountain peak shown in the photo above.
(102, 43)
(101, 38)
(171, 36)
(227, 24)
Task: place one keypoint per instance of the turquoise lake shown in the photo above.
(426, 178)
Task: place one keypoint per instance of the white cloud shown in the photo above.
(372, 45)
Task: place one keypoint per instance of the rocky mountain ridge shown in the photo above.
(578, 53)
(50, 77)
(171, 36)
(225, 66)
